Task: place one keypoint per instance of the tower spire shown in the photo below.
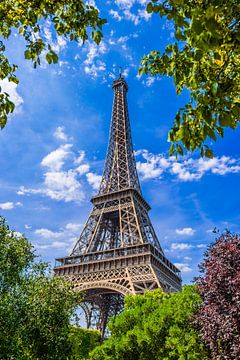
(120, 168)
(120, 71)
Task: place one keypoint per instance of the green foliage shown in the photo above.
(154, 326)
(15, 256)
(83, 341)
(35, 307)
(205, 60)
(72, 19)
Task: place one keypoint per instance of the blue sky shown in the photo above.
(53, 147)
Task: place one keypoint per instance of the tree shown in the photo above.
(83, 341)
(154, 326)
(69, 18)
(205, 60)
(35, 307)
(219, 286)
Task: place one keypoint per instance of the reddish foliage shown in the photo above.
(219, 286)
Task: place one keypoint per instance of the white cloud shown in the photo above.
(62, 238)
(53, 245)
(63, 179)
(201, 246)
(186, 231)
(181, 246)
(63, 185)
(148, 170)
(94, 70)
(81, 156)
(69, 230)
(93, 50)
(184, 267)
(115, 15)
(185, 246)
(48, 234)
(126, 72)
(185, 169)
(92, 65)
(131, 16)
(153, 167)
(150, 81)
(94, 180)
(55, 159)
(9, 205)
(132, 10)
(143, 14)
(73, 227)
(59, 133)
(83, 169)
(220, 166)
(187, 258)
(59, 184)
(11, 89)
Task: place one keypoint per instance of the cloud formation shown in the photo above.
(131, 10)
(93, 65)
(186, 231)
(9, 205)
(64, 238)
(55, 159)
(64, 174)
(185, 246)
(183, 267)
(154, 166)
(59, 134)
(94, 180)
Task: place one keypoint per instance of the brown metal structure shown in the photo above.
(118, 252)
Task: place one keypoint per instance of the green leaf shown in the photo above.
(54, 57)
(155, 9)
(214, 88)
(171, 150)
(196, 26)
(97, 36)
(209, 153)
(149, 8)
(179, 149)
(3, 121)
(49, 58)
(28, 54)
(225, 119)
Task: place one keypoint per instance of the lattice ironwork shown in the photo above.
(118, 252)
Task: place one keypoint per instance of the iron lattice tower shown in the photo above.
(118, 252)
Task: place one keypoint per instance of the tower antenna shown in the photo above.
(120, 71)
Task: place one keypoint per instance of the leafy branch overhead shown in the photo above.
(69, 18)
(206, 61)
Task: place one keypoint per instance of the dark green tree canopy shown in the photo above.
(154, 326)
(205, 60)
(35, 306)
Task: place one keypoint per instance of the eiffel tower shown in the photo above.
(118, 252)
